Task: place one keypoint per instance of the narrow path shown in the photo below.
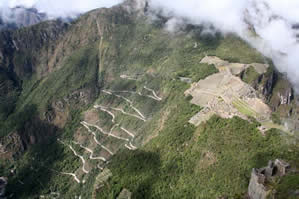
(116, 125)
(105, 133)
(122, 111)
(69, 174)
(130, 146)
(128, 132)
(73, 175)
(128, 101)
(97, 127)
(128, 77)
(115, 136)
(76, 154)
(95, 138)
(91, 152)
(99, 167)
(155, 96)
(110, 113)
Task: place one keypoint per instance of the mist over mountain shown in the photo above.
(20, 17)
(56, 8)
(269, 26)
(148, 99)
(15, 14)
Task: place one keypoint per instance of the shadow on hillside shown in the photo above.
(208, 37)
(32, 172)
(141, 164)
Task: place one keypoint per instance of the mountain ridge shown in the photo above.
(110, 82)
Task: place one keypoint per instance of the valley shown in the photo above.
(115, 105)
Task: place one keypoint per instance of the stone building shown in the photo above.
(258, 188)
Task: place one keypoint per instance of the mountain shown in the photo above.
(13, 18)
(112, 105)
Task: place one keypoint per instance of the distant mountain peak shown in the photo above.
(19, 16)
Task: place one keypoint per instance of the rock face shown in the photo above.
(125, 194)
(258, 188)
(267, 86)
(286, 97)
(21, 51)
(11, 145)
(3, 184)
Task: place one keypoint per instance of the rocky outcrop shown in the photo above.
(125, 194)
(295, 27)
(260, 178)
(3, 184)
(11, 145)
(58, 111)
(29, 133)
(80, 97)
(268, 84)
(26, 50)
(286, 96)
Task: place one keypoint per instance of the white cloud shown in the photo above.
(63, 8)
(60, 8)
(272, 20)
(203, 11)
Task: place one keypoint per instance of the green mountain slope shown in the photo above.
(102, 108)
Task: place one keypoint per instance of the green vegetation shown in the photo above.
(235, 50)
(212, 161)
(18, 120)
(287, 183)
(79, 71)
(8, 95)
(244, 108)
(276, 118)
(37, 171)
(197, 72)
(250, 76)
(178, 160)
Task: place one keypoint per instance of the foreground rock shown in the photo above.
(3, 184)
(125, 194)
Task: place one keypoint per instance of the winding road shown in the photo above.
(76, 154)
(128, 101)
(95, 138)
(155, 96)
(91, 152)
(122, 111)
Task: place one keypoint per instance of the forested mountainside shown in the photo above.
(112, 105)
